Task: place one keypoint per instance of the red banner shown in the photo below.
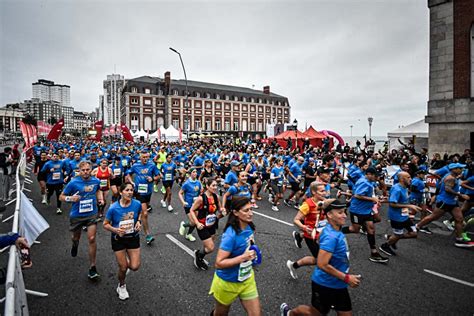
(126, 132)
(31, 134)
(56, 130)
(24, 133)
(98, 126)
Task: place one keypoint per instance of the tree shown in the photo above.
(52, 120)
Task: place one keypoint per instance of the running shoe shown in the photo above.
(292, 269)
(363, 230)
(286, 203)
(198, 262)
(43, 201)
(163, 190)
(275, 208)
(377, 258)
(182, 229)
(425, 230)
(163, 204)
(93, 273)
(284, 309)
(155, 188)
(122, 292)
(190, 237)
(270, 198)
(298, 239)
(394, 246)
(465, 237)
(75, 246)
(254, 205)
(149, 209)
(58, 211)
(463, 244)
(170, 208)
(386, 249)
(149, 239)
(448, 225)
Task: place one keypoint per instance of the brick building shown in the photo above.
(150, 102)
(451, 76)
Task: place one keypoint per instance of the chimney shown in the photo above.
(167, 82)
(266, 89)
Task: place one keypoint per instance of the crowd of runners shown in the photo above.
(334, 192)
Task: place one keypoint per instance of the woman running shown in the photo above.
(204, 214)
(189, 192)
(124, 221)
(234, 277)
(103, 173)
(117, 178)
(253, 178)
(277, 176)
(241, 188)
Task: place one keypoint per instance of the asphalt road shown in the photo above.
(167, 282)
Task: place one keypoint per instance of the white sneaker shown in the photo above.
(448, 225)
(163, 204)
(275, 208)
(43, 201)
(190, 237)
(58, 211)
(293, 274)
(122, 292)
(182, 229)
(170, 208)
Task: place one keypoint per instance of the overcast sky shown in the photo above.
(338, 62)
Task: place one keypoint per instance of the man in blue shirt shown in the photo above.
(231, 177)
(295, 177)
(399, 214)
(361, 212)
(54, 170)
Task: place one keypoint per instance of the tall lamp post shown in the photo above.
(295, 127)
(351, 126)
(370, 119)
(186, 97)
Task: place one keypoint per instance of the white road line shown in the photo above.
(449, 278)
(182, 246)
(273, 218)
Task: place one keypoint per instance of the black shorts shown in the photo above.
(251, 180)
(313, 246)
(122, 243)
(76, 223)
(116, 181)
(168, 184)
(207, 232)
(295, 187)
(277, 189)
(143, 198)
(41, 176)
(187, 210)
(361, 219)
(446, 207)
(265, 176)
(399, 227)
(325, 298)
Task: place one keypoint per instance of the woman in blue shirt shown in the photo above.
(331, 277)
(234, 277)
(123, 219)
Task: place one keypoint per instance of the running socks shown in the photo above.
(201, 253)
(296, 265)
(190, 227)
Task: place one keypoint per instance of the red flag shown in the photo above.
(31, 134)
(126, 132)
(56, 130)
(35, 134)
(98, 126)
(24, 133)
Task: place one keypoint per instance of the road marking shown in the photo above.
(449, 278)
(273, 218)
(182, 246)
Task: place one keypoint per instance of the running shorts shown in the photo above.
(227, 292)
(313, 246)
(398, 228)
(116, 181)
(76, 223)
(295, 187)
(168, 184)
(41, 176)
(277, 189)
(251, 180)
(324, 298)
(145, 198)
(207, 232)
(360, 219)
(122, 243)
(187, 210)
(446, 207)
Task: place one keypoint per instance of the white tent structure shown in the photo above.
(154, 135)
(171, 134)
(140, 133)
(417, 131)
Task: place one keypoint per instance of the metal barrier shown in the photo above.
(15, 292)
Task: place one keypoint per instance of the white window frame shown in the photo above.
(147, 91)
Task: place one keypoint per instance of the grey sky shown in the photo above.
(338, 62)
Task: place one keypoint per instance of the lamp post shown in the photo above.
(370, 119)
(351, 126)
(186, 97)
(295, 126)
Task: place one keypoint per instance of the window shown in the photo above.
(134, 110)
(218, 97)
(259, 100)
(208, 124)
(252, 126)
(252, 108)
(160, 92)
(198, 95)
(217, 106)
(244, 99)
(208, 105)
(236, 107)
(252, 100)
(133, 100)
(244, 108)
(147, 91)
(134, 118)
(160, 102)
(175, 92)
(227, 125)
(260, 109)
(175, 102)
(227, 107)
(227, 97)
(186, 124)
(236, 98)
(236, 125)
(175, 122)
(208, 95)
(147, 101)
(197, 124)
(279, 111)
(134, 90)
(218, 124)
(260, 126)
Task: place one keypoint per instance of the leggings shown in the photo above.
(55, 188)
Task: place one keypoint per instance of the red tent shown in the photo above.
(319, 137)
(295, 136)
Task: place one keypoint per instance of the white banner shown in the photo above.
(32, 224)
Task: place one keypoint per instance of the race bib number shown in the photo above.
(168, 177)
(245, 271)
(103, 183)
(143, 188)
(127, 225)
(56, 175)
(117, 172)
(405, 211)
(85, 206)
(211, 220)
(124, 162)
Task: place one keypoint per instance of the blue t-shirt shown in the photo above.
(236, 244)
(335, 242)
(244, 190)
(191, 189)
(297, 172)
(117, 170)
(168, 170)
(87, 190)
(417, 189)
(119, 216)
(363, 187)
(231, 178)
(199, 162)
(141, 172)
(278, 175)
(446, 197)
(55, 176)
(470, 182)
(398, 195)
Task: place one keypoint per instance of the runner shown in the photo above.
(205, 214)
(160, 159)
(295, 174)
(168, 171)
(331, 277)
(234, 277)
(123, 219)
(54, 170)
(144, 172)
(241, 188)
(277, 178)
(310, 221)
(104, 174)
(84, 194)
(189, 192)
(417, 190)
(117, 178)
(40, 175)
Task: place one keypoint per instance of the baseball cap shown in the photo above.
(373, 171)
(235, 163)
(456, 165)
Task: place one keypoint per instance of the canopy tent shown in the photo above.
(317, 137)
(295, 136)
(417, 132)
(154, 135)
(140, 133)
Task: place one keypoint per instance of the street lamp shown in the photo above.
(186, 97)
(351, 126)
(295, 127)
(370, 119)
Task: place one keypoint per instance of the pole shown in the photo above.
(370, 119)
(351, 129)
(186, 107)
